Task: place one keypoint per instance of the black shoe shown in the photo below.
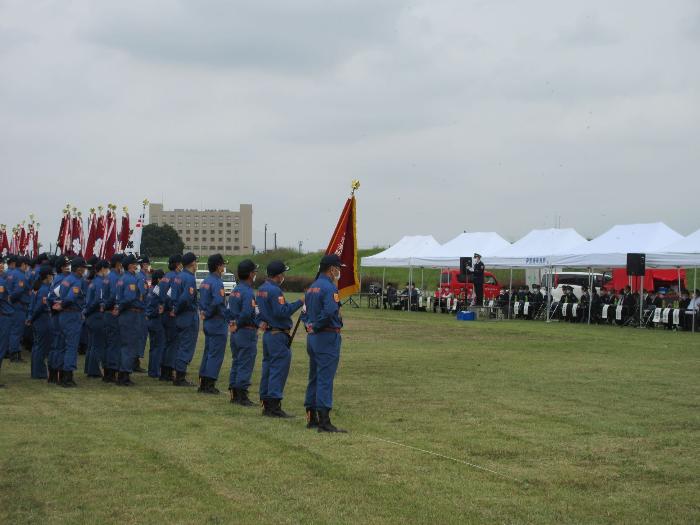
(67, 379)
(211, 386)
(166, 373)
(181, 379)
(273, 408)
(266, 407)
(311, 418)
(242, 398)
(125, 379)
(53, 376)
(232, 394)
(324, 422)
(137, 366)
(202, 384)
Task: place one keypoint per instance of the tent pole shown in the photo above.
(383, 286)
(590, 293)
(510, 292)
(549, 294)
(695, 276)
(410, 282)
(641, 301)
(678, 269)
(421, 278)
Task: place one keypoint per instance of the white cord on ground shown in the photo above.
(444, 457)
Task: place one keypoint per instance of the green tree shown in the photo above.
(160, 241)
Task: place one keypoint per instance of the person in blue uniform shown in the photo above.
(170, 279)
(41, 260)
(71, 306)
(212, 307)
(276, 314)
(324, 324)
(55, 361)
(20, 290)
(184, 296)
(130, 305)
(94, 319)
(243, 319)
(156, 330)
(110, 318)
(6, 312)
(144, 275)
(39, 318)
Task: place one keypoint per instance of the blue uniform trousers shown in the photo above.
(17, 328)
(215, 332)
(275, 365)
(130, 338)
(5, 323)
(170, 348)
(43, 335)
(187, 331)
(113, 346)
(244, 349)
(144, 336)
(326, 354)
(310, 398)
(71, 324)
(156, 334)
(57, 344)
(96, 344)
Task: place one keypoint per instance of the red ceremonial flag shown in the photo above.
(66, 236)
(35, 240)
(14, 242)
(30, 251)
(22, 240)
(124, 233)
(4, 241)
(99, 234)
(110, 238)
(92, 227)
(344, 244)
(77, 238)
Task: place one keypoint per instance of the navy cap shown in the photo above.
(276, 268)
(246, 266)
(175, 259)
(44, 272)
(144, 259)
(128, 260)
(61, 261)
(332, 260)
(116, 258)
(477, 255)
(78, 262)
(101, 265)
(92, 261)
(12, 259)
(188, 258)
(158, 275)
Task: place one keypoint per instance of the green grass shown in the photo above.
(600, 424)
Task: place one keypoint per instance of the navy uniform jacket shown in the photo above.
(130, 292)
(93, 302)
(18, 287)
(55, 288)
(478, 272)
(72, 293)
(40, 304)
(242, 306)
(109, 291)
(165, 285)
(323, 305)
(5, 306)
(153, 301)
(184, 293)
(212, 298)
(274, 309)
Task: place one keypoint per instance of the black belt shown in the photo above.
(249, 326)
(71, 309)
(157, 316)
(214, 317)
(334, 330)
(278, 330)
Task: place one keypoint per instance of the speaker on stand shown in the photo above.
(637, 267)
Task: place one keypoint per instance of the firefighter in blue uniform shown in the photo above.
(39, 318)
(276, 314)
(171, 278)
(18, 286)
(42, 260)
(184, 296)
(6, 312)
(143, 275)
(55, 361)
(130, 305)
(71, 305)
(243, 319)
(154, 319)
(110, 318)
(94, 319)
(212, 306)
(324, 324)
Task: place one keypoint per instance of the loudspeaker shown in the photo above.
(464, 265)
(636, 264)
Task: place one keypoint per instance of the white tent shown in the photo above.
(610, 249)
(464, 245)
(536, 249)
(403, 253)
(684, 252)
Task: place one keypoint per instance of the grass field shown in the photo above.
(595, 425)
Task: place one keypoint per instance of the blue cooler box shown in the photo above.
(466, 316)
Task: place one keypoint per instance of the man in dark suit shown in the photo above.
(477, 272)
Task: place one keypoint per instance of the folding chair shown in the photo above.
(656, 316)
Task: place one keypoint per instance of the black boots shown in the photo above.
(166, 373)
(108, 375)
(181, 379)
(239, 396)
(324, 422)
(273, 408)
(137, 366)
(232, 394)
(16, 357)
(66, 379)
(124, 379)
(53, 376)
(207, 385)
(311, 418)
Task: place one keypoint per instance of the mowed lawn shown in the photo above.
(585, 424)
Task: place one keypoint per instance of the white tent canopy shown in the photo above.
(464, 245)
(403, 253)
(683, 252)
(610, 249)
(536, 249)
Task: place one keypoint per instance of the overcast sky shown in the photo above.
(455, 115)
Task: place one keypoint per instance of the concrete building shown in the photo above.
(209, 231)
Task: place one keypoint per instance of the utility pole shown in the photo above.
(265, 245)
(301, 243)
(275, 241)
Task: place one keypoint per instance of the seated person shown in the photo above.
(629, 303)
(390, 297)
(689, 308)
(582, 314)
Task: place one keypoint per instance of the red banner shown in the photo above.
(344, 244)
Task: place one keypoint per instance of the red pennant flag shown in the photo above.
(110, 239)
(4, 241)
(124, 233)
(77, 239)
(344, 244)
(22, 240)
(99, 234)
(92, 230)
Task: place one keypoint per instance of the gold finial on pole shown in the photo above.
(145, 202)
(355, 185)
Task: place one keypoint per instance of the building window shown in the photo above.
(236, 239)
(220, 248)
(204, 238)
(187, 239)
(212, 247)
(213, 232)
(236, 248)
(236, 232)
(221, 224)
